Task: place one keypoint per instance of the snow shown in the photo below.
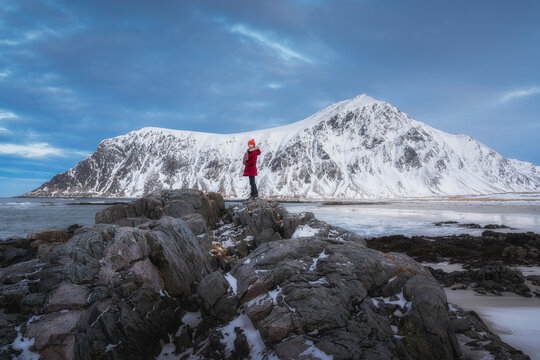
(514, 318)
(321, 281)
(409, 218)
(193, 319)
(232, 282)
(23, 344)
(322, 255)
(110, 347)
(444, 265)
(395, 331)
(401, 301)
(100, 315)
(274, 294)
(360, 148)
(163, 292)
(304, 231)
(314, 352)
(257, 348)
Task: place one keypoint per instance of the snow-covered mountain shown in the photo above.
(354, 149)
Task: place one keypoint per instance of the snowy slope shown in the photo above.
(354, 149)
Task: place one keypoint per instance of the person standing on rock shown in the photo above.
(250, 161)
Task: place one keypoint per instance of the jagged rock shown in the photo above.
(172, 203)
(214, 293)
(55, 235)
(15, 250)
(113, 286)
(491, 248)
(326, 286)
(297, 288)
(492, 279)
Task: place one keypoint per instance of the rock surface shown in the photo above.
(491, 248)
(176, 273)
(486, 259)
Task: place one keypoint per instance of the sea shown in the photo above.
(19, 216)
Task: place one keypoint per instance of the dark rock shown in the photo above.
(491, 248)
(49, 236)
(241, 346)
(330, 296)
(490, 279)
(118, 291)
(427, 326)
(535, 279)
(15, 250)
(107, 285)
(173, 203)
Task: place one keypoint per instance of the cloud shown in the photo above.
(7, 115)
(38, 150)
(3, 130)
(283, 51)
(274, 85)
(519, 93)
(27, 37)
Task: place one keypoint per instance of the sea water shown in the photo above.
(19, 216)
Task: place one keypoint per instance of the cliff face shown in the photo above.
(354, 149)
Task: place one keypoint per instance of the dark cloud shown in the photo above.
(74, 73)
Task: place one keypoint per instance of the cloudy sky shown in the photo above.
(73, 73)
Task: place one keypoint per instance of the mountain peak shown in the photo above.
(354, 149)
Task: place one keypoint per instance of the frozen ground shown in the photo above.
(514, 318)
(417, 217)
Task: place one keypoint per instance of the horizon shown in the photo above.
(72, 75)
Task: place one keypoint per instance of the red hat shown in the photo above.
(252, 142)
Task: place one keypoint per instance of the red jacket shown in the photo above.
(251, 164)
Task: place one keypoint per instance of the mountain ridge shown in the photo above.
(361, 148)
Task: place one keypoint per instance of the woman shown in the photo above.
(250, 160)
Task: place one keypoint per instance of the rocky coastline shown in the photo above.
(491, 263)
(177, 273)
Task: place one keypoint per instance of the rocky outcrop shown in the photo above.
(490, 279)
(476, 340)
(349, 301)
(491, 248)
(167, 203)
(108, 292)
(176, 273)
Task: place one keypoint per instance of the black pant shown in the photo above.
(254, 191)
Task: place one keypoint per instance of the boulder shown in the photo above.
(173, 203)
(325, 290)
(108, 291)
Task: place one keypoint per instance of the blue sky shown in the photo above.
(73, 73)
